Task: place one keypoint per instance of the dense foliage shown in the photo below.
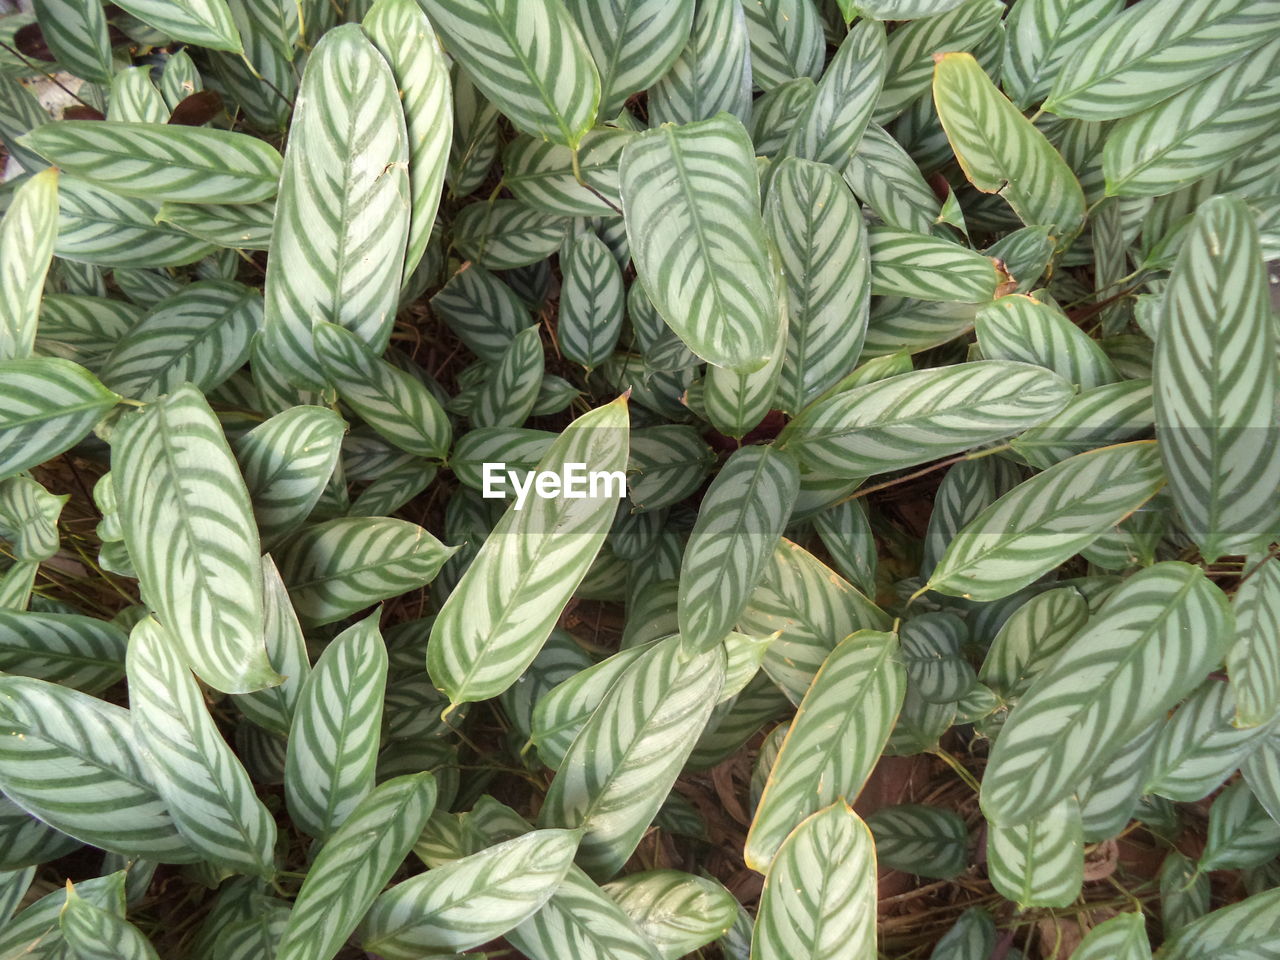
(633, 479)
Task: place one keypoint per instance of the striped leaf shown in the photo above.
(1253, 662)
(333, 742)
(26, 249)
(507, 234)
(1030, 639)
(830, 125)
(634, 43)
(244, 226)
(623, 762)
(189, 529)
(342, 566)
(1045, 520)
(81, 327)
(834, 919)
(1039, 863)
(839, 730)
(46, 406)
(97, 226)
(206, 789)
(71, 650)
(94, 933)
(286, 462)
(813, 220)
(528, 58)
(591, 301)
(1217, 396)
(471, 901)
(493, 624)
(1262, 773)
(1022, 328)
(1111, 795)
(200, 335)
(342, 217)
(1153, 50)
(404, 36)
(1042, 33)
(691, 200)
(905, 264)
(76, 32)
(923, 840)
(895, 9)
(886, 178)
(395, 403)
(712, 74)
(560, 714)
(932, 652)
(967, 489)
(666, 463)
(736, 403)
(920, 416)
(354, 864)
(972, 937)
(72, 761)
(507, 396)
(813, 608)
(541, 174)
(1104, 415)
(738, 527)
(678, 912)
(1121, 938)
(845, 530)
(481, 310)
(1199, 748)
(1160, 632)
(273, 708)
(34, 931)
(160, 161)
(786, 40)
(1197, 131)
(206, 23)
(1002, 152)
(1246, 929)
(1241, 833)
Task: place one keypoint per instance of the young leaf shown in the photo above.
(189, 528)
(273, 708)
(691, 200)
(834, 919)
(591, 301)
(333, 743)
(493, 623)
(26, 249)
(94, 933)
(206, 789)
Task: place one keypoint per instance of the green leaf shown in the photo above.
(67, 649)
(1045, 520)
(1246, 930)
(1030, 638)
(691, 200)
(1110, 796)
(189, 528)
(245, 226)
(471, 901)
(493, 624)
(834, 919)
(679, 912)
(624, 760)
(905, 264)
(34, 932)
(1039, 863)
(972, 937)
(895, 9)
(540, 173)
(560, 714)
(1104, 415)
(1217, 394)
(481, 310)
(342, 566)
(26, 248)
(354, 864)
(712, 74)
(814, 222)
(786, 41)
(286, 462)
(273, 708)
(1025, 329)
(404, 36)
(738, 528)
(845, 530)
(1042, 33)
(923, 840)
(333, 743)
(99, 226)
(839, 730)
(932, 652)
(1121, 938)
(591, 301)
(736, 403)
(507, 397)
(1160, 632)
(395, 403)
(342, 218)
(913, 417)
(82, 328)
(530, 60)
(76, 32)
(634, 43)
(207, 791)
(94, 933)
(1253, 662)
(200, 335)
(1153, 50)
(1002, 152)
(207, 23)
(160, 161)
(1195, 132)
(72, 761)
(506, 234)
(1241, 832)
(667, 462)
(886, 178)
(813, 608)
(46, 407)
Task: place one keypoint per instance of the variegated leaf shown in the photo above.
(1039, 863)
(1121, 938)
(712, 74)
(1253, 661)
(204, 22)
(634, 43)
(906, 264)
(26, 249)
